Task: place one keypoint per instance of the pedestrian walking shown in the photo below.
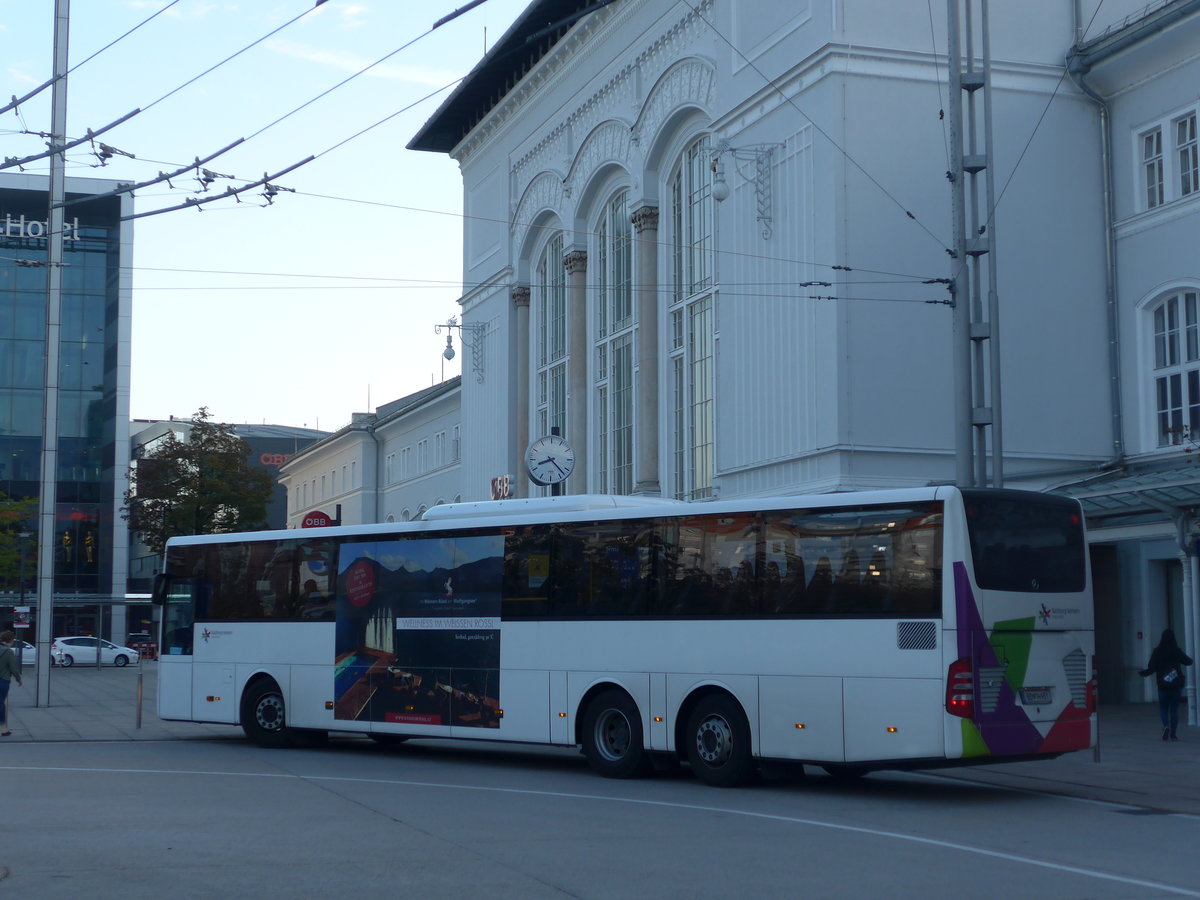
(1166, 664)
(10, 668)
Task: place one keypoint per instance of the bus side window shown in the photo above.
(820, 588)
(569, 578)
(876, 583)
(529, 574)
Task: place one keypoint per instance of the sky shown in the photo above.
(323, 302)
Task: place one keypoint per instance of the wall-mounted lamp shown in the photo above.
(760, 155)
(477, 331)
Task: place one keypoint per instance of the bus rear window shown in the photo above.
(1030, 543)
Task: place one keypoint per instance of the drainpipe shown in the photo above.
(378, 480)
(1077, 70)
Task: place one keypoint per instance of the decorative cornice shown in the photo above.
(555, 148)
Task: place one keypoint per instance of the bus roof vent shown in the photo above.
(487, 509)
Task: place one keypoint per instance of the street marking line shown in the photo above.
(772, 817)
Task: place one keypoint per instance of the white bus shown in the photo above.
(854, 631)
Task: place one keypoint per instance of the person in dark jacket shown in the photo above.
(1166, 663)
(10, 668)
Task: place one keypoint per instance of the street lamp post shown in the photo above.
(22, 536)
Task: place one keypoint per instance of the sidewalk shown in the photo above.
(1136, 767)
(87, 704)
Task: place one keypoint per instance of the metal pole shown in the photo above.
(48, 494)
(993, 304)
(961, 320)
(139, 692)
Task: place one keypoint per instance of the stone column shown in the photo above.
(645, 226)
(577, 368)
(520, 483)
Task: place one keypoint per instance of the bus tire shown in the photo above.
(612, 736)
(264, 718)
(717, 742)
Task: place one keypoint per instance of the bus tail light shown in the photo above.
(960, 689)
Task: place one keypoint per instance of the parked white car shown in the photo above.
(26, 651)
(67, 651)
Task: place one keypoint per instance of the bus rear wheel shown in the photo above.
(717, 742)
(612, 736)
(264, 718)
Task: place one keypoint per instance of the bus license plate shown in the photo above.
(1036, 696)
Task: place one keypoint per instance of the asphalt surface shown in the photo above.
(1133, 766)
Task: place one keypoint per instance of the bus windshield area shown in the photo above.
(1028, 546)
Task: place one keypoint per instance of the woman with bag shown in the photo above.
(10, 668)
(1167, 662)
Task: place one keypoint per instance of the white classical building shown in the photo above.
(702, 240)
(698, 237)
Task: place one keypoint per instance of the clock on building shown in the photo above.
(549, 460)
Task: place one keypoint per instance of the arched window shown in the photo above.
(613, 372)
(1176, 323)
(691, 326)
(549, 300)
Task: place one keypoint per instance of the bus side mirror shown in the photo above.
(158, 593)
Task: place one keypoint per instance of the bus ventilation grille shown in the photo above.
(1075, 665)
(916, 635)
(991, 679)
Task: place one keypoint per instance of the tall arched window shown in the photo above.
(691, 326)
(549, 299)
(613, 372)
(1176, 321)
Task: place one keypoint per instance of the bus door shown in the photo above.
(178, 597)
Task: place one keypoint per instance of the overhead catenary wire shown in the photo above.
(164, 177)
(9, 162)
(17, 102)
(235, 192)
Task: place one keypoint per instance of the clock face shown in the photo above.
(549, 460)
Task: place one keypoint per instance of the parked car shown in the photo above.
(66, 651)
(26, 651)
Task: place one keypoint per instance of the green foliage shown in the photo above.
(18, 517)
(204, 485)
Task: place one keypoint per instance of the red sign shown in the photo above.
(316, 519)
(360, 583)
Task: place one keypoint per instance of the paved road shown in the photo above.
(223, 818)
(1134, 765)
(96, 806)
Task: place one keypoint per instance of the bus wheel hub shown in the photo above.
(714, 740)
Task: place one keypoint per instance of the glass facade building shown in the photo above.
(91, 544)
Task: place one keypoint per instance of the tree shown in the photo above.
(203, 485)
(18, 538)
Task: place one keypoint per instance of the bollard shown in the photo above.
(139, 695)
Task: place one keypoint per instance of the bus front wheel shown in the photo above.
(612, 736)
(263, 716)
(718, 742)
